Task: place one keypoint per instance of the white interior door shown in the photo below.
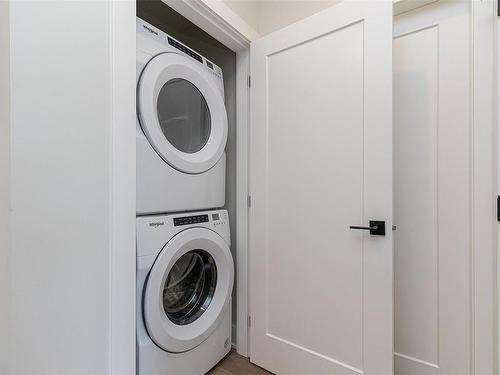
(433, 182)
(321, 296)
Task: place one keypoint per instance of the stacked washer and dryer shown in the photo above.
(185, 270)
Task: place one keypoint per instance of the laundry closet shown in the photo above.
(186, 194)
(369, 185)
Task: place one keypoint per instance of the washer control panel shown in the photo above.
(154, 231)
(219, 218)
(187, 220)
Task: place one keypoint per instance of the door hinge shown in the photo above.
(498, 207)
(250, 81)
(249, 201)
(249, 322)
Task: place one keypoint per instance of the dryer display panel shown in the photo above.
(184, 49)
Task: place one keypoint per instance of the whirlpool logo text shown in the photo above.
(156, 224)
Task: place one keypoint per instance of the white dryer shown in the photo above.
(185, 276)
(181, 126)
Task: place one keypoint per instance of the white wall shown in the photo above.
(266, 16)
(274, 15)
(4, 184)
(60, 117)
(247, 10)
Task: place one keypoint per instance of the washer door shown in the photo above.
(187, 290)
(182, 113)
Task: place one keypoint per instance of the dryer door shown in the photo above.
(182, 113)
(188, 289)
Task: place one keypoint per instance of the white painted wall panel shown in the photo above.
(60, 155)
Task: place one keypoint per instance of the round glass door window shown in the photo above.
(183, 115)
(190, 287)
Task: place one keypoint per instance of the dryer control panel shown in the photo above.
(145, 28)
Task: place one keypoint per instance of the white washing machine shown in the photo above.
(185, 276)
(181, 126)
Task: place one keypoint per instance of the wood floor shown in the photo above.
(235, 364)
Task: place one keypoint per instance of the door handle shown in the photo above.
(376, 228)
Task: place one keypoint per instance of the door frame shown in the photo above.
(122, 200)
(221, 22)
(484, 247)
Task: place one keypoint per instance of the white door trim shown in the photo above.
(122, 256)
(218, 20)
(403, 6)
(484, 187)
(242, 199)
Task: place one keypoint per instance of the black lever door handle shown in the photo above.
(364, 228)
(376, 228)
